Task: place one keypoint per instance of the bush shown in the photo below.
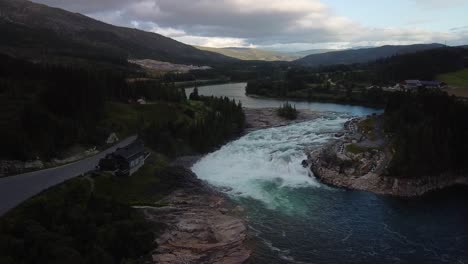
(287, 111)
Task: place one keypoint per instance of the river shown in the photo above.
(296, 219)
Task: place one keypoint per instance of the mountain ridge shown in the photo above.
(22, 19)
(251, 53)
(352, 56)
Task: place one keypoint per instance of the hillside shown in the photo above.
(362, 55)
(304, 53)
(35, 30)
(252, 54)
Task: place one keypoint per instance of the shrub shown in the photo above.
(287, 111)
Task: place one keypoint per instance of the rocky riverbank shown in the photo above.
(358, 157)
(201, 225)
(262, 118)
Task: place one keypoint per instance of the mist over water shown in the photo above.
(296, 219)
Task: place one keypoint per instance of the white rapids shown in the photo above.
(263, 163)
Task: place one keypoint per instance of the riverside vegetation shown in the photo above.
(429, 131)
(287, 111)
(417, 146)
(46, 108)
(354, 83)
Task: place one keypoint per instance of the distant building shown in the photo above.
(413, 84)
(410, 84)
(141, 101)
(433, 84)
(125, 161)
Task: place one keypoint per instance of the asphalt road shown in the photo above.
(16, 189)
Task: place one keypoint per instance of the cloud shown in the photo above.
(439, 3)
(262, 23)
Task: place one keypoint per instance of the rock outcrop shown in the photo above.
(387, 185)
(364, 167)
(201, 225)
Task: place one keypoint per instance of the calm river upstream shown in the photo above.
(296, 219)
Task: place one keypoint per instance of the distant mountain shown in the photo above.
(362, 55)
(252, 54)
(304, 53)
(34, 30)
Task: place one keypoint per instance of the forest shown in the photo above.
(46, 108)
(429, 132)
(208, 123)
(355, 83)
(71, 223)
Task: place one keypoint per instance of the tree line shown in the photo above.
(351, 83)
(430, 133)
(218, 120)
(46, 108)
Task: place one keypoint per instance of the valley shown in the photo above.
(138, 132)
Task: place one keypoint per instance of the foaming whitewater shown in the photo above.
(266, 164)
(297, 220)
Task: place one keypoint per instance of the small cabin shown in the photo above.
(125, 161)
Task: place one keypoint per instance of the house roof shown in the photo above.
(431, 83)
(412, 82)
(135, 148)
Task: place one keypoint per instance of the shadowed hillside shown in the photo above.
(35, 30)
(362, 55)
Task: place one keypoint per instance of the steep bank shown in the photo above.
(201, 226)
(386, 185)
(358, 159)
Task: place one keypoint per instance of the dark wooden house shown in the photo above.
(125, 161)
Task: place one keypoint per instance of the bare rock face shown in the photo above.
(361, 179)
(201, 227)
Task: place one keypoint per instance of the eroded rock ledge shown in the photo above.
(201, 225)
(386, 185)
(354, 161)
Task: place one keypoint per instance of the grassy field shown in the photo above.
(355, 149)
(458, 82)
(458, 79)
(368, 128)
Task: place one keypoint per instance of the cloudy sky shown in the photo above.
(288, 25)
